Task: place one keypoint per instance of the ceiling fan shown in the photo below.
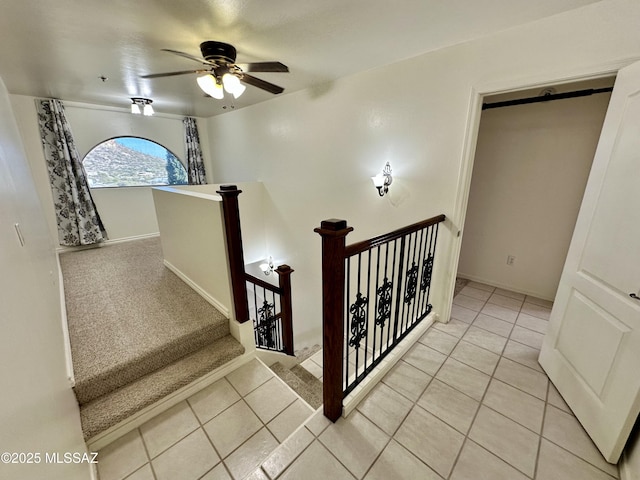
(222, 73)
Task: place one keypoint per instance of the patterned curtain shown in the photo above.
(195, 166)
(77, 217)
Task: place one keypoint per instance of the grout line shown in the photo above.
(146, 450)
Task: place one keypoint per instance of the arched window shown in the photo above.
(132, 162)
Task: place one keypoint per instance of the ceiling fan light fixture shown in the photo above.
(232, 84)
(135, 108)
(209, 85)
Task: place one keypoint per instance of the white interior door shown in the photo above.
(592, 350)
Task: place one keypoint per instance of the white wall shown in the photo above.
(125, 212)
(38, 410)
(530, 171)
(315, 150)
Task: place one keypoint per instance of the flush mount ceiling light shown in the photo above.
(383, 180)
(141, 105)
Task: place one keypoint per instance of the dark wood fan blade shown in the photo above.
(263, 67)
(190, 57)
(172, 74)
(256, 82)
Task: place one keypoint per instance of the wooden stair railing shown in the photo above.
(273, 321)
(391, 281)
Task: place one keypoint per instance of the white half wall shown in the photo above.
(125, 212)
(315, 150)
(38, 410)
(531, 167)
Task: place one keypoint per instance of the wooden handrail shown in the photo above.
(365, 245)
(262, 283)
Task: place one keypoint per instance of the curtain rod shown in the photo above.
(547, 98)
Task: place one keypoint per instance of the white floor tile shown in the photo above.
(475, 293)
(122, 457)
(522, 354)
(527, 337)
(523, 378)
(251, 454)
(232, 428)
(507, 302)
(493, 325)
(396, 462)
(439, 448)
(452, 327)
(424, 358)
(461, 313)
(564, 429)
(520, 407)
(555, 463)
(219, 472)
(285, 454)
(449, 405)
(316, 463)
(249, 377)
(510, 441)
(270, 398)
(533, 323)
(289, 419)
(440, 341)
(463, 378)
(212, 400)
(385, 407)
(469, 302)
(536, 310)
(189, 459)
(168, 428)
(481, 286)
(502, 313)
(355, 441)
(477, 463)
(556, 399)
(476, 357)
(407, 380)
(487, 340)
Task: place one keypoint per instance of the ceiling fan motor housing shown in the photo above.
(218, 51)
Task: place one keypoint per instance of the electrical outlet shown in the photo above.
(511, 260)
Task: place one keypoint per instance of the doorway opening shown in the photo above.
(532, 162)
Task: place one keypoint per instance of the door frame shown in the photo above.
(476, 96)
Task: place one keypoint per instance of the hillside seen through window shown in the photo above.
(132, 162)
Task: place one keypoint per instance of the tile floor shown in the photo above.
(222, 432)
(468, 401)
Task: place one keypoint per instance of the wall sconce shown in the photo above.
(383, 180)
(142, 105)
(267, 267)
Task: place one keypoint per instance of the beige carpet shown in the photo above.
(129, 315)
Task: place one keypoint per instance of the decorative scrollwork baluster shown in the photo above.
(427, 270)
(358, 320)
(267, 325)
(412, 283)
(384, 302)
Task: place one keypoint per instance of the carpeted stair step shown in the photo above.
(109, 409)
(302, 382)
(100, 381)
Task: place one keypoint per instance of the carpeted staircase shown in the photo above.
(300, 379)
(137, 332)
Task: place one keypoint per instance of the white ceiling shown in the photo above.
(60, 48)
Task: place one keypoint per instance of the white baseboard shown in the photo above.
(363, 389)
(134, 421)
(65, 328)
(203, 293)
(63, 249)
(503, 286)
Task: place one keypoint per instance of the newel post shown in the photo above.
(231, 214)
(284, 276)
(333, 233)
